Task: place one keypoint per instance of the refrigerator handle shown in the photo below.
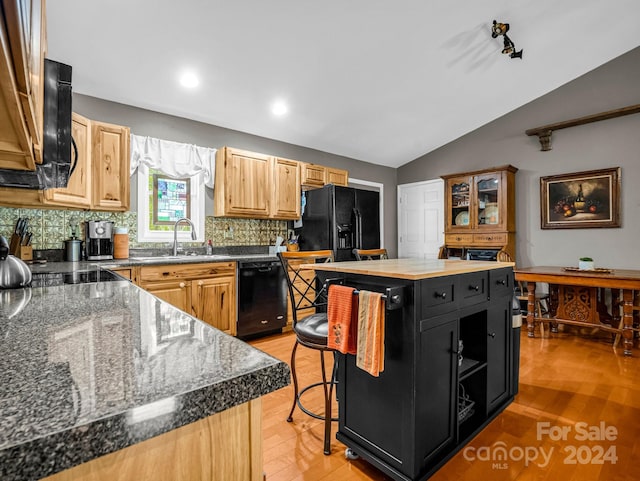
(358, 228)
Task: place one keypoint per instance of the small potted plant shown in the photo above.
(585, 264)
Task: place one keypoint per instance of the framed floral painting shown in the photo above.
(581, 199)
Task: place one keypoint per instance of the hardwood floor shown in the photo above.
(573, 381)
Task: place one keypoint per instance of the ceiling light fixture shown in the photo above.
(509, 47)
(279, 108)
(189, 80)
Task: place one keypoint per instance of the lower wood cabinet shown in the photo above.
(206, 291)
(224, 446)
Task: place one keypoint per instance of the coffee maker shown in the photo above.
(99, 240)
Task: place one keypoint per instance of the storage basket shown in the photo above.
(465, 404)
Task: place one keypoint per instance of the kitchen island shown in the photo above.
(450, 361)
(102, 380)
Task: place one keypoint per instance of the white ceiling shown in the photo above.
(384, 81)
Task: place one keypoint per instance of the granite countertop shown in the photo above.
(412, 269)
(88, 369)
(144, 260)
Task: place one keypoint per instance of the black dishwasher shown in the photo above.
(262, 299)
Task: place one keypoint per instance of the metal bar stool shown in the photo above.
(308, 298)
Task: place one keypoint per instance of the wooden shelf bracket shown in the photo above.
(544, 132)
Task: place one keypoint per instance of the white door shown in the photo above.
(421, 219)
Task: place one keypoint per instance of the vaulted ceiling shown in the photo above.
(376, 80)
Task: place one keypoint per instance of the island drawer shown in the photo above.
(472, 288)
(438, 296)
(501, 282)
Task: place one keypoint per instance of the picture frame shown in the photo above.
(580, 200)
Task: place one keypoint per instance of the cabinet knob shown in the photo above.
(492, 334)
(200, 283)
(501, 282)
(182, 285)
(474, 288)
(441, 295)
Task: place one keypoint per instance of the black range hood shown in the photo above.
(57, 142)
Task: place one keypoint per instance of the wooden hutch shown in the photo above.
(480, 212)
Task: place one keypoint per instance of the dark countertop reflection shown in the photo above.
(90, 368)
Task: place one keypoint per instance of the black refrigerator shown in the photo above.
(341, 219)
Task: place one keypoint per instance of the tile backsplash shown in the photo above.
(51, 227)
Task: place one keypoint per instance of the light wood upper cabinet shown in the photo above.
(242, 184)
(286, 189)
(337, 176)
(260, 186)
(22, 51)
(110, 155)
(314, 176)
(256, 186)
(78, 190)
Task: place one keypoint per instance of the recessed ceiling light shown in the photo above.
(279, 108)
(189, 80)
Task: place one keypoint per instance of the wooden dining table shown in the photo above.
(575, 300)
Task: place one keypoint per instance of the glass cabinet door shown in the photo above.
(460, 203)
(487, 202)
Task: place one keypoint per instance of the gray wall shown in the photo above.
(604, 144)
(167, 127)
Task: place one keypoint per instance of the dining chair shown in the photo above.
(370, 254)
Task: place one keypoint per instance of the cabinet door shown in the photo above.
(337, 176)
(247, 184)
(436, 383)
(458, 204)
(110, 154)
(26, 28)
(214, 302)
(499, 352)
(78, 190)
(313, 175)
(286, 191)
(175, 292)
(489, 205)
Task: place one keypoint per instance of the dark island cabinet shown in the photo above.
(449, 370)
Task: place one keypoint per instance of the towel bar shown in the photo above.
(393, 296)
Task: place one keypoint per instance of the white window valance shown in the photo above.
(173, 158)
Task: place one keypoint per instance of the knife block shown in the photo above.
(23, 252)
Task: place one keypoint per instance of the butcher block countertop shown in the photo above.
(411, 269)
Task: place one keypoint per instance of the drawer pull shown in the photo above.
(440, 295)
(501, 282)
(264, 321)
(492, 334)
(474, 288)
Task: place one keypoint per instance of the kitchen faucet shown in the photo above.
(175, 233)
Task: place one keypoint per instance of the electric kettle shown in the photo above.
(14, 272)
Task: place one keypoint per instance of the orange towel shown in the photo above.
(342, 317)
(370, 355)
